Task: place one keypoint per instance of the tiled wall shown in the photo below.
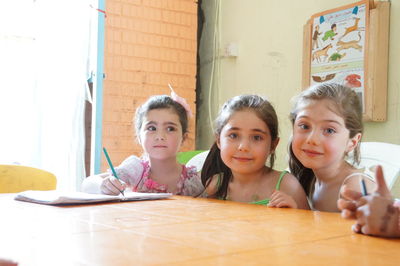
(148, 44)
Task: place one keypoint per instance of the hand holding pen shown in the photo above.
(112, 185)
(375, 213)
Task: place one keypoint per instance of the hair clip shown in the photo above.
(180, 100)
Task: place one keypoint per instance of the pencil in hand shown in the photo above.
(363, 187)
(112, 167)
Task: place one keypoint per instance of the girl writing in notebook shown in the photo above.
(161, 126)
(327, 125)
(246, 136)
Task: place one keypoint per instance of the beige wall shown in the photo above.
(269, 35)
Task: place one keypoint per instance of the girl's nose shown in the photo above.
(243, 145)
(160, 136)
(313, 138)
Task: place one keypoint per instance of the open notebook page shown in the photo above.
(54, 197)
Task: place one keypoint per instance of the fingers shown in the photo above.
(343, 204)
(356, 228)
(350, 194)
(278, 203)
(280, 200)
(112, 186)
(347, 214)
(348, 208)
(365, 230)
(382, 188)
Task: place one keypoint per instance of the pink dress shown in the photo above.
(136, 173)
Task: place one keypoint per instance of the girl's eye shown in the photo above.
(233, 136)
(151, 128)
(170, 129)
(330, 131)
(257, 138)
(303, 126)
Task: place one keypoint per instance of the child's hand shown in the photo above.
(348, 204)
(112, 186)
(280, 199)
(377, 216)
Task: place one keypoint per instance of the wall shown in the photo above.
(269, 35)
(148, 44)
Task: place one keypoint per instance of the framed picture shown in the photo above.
(337, 49)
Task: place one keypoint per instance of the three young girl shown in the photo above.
(161, 127)
(327, 125)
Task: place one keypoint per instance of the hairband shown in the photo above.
(180, 100)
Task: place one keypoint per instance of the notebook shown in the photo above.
(54, 197)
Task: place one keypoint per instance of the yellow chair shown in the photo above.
(17, 178)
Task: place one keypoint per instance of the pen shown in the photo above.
(112, 167)
(363, 187)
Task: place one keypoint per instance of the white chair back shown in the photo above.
(198, 160)
(385, 154)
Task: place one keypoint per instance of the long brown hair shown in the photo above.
(347, 106)
(213, 164)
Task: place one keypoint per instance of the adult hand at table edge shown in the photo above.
(375, 214)
(352, 199)
(382, 188)
(7, 262)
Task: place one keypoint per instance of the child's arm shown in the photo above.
(291, 194)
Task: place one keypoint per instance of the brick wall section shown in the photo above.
(148, 44)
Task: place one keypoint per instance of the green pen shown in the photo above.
(112, 167)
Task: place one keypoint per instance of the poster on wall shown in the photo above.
(338, 47)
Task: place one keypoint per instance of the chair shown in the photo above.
(184, 156)
(198, 160)
(17, 178)
(387, 155)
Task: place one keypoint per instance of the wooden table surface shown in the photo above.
(183, 231)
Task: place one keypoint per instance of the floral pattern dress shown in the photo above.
(136, 173)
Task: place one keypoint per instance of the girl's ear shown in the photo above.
(274, 144)
(353, 142)
(184, 137)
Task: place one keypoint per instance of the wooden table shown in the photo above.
(183, 231)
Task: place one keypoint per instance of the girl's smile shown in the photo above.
(242, 159)
(312, 153)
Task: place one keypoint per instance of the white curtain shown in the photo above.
(45, 52)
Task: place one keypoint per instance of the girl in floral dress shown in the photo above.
(161, 128)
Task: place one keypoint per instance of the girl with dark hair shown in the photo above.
(246, 136)
(161, 127)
